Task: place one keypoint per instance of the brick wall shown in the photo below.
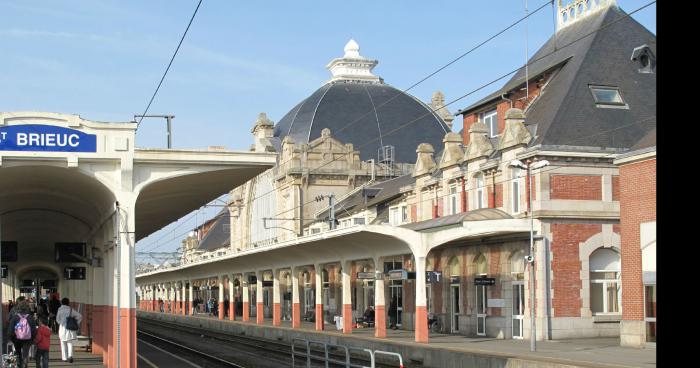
(467, 121)
(566, 266)
(499, 195)
(616, 188)
(579, 187)
(637, 205)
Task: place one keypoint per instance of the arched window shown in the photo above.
(453, 266)
(517, 265)
(481, 266)
(604, 265)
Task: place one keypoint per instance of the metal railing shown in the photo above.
(337, 350)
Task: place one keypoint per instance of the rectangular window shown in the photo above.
(490, 118)
(359, 221)
(453, 199)
(515, 193)
(607, 96)
(394, 216)
(404, 213)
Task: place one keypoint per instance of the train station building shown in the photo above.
(442, 227)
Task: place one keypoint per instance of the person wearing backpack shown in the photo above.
(21, 330)
(69, 323)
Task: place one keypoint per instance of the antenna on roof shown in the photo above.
(527, 79)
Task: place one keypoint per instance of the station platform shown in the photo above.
(442, 350)
(81, 358)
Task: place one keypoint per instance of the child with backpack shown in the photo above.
(43, 343)
(21, 330)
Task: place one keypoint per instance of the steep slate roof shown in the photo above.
(219, 235)
(565, 113)
(336, 105)
(458, 218)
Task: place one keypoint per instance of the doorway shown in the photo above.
(518, 308)
(455, 292)
(481, 310)
(396, 294)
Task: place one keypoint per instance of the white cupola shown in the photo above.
(352, 66)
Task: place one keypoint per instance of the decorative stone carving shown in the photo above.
(424, 162)
(479, 144)
(437, 103)
(453, 153)
(263, 131)
(515, 132)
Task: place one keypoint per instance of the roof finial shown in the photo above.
(352, 66)
(352, 49)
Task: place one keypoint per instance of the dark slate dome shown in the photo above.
(353, 108)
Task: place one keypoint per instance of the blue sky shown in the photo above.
(103, 59)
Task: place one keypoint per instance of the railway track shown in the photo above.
(272, 351)
(202, 358)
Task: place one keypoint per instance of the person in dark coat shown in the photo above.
(392, 313)
(54, 304)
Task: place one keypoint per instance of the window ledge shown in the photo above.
(607, 318)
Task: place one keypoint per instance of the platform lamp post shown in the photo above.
(531, 257)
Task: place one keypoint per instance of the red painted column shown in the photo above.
(319, 316)
(191, 307)
(232, 310)
(128, 338)
(421, 324)
(259, 317)
(221, 310)
(464, 196)
(276, 314)
(296, 315)
(246, 311)
(347, 318)
(380, 321)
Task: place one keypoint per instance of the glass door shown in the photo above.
(650, 312)
(518, 308)
(396, 296)
(481, 310)
(454, 308)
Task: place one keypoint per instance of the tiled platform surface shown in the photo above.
(81, 358)
(594, 352)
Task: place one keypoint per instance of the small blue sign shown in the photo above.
(35, 137)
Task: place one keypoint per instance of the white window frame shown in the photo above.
(480, 197)
(607, 104)
(453, 199)
(515, 191)
(605, 283)
(492, 124)
(404, 214)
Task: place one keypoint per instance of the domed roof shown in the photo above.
(365, 112)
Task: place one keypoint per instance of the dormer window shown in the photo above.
(490, 119)
(607, 96)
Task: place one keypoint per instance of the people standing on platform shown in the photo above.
(43, 344)
(226, 304)
(393, 308)
(160, 305)
(21, 329)
(210, 306)
(68, 329)
(54, 304)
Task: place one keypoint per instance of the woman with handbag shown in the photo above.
(69, 324)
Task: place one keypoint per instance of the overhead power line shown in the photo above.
(169, 64)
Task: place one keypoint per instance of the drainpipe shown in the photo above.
(507, 99)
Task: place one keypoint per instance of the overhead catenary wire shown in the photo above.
(169, 64)
(464, 96)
